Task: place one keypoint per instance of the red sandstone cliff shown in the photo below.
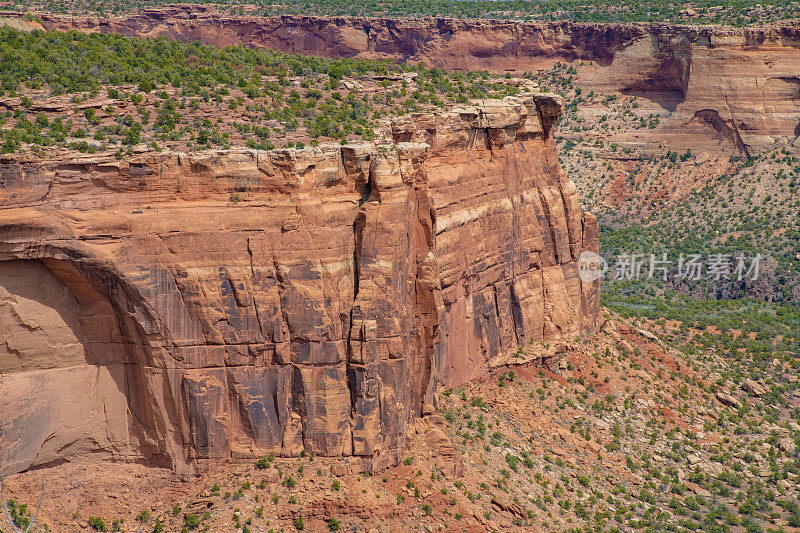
(734, 85)
(149, 315)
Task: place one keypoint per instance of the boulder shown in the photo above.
(753, 387)
(711, 469)
(787, 446)
(728, 400)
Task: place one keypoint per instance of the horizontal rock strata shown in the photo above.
(735, 86)
(172, 308)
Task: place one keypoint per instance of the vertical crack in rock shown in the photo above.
(253, 281)
(284, 333)
(298, 407)
(357, 164)
(358, 230)
(351, 368)
(250, 256)
(426, 317)
(517, 315)
(551, 228)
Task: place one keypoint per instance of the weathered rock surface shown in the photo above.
(727, 399)
(146, 314)
(787, 446)
(753, 387)
(736, 87)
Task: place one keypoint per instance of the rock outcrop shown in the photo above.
(172, 308)
(739, 87)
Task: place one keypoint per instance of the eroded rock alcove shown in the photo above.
(73, 370)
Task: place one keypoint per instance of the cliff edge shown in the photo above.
(717, 84)
(171, 308)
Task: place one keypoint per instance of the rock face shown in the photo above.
(446, 43)
(739, 87)
(173, 308)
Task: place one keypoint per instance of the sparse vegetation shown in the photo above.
(650, 424)
(170, 95)
(97, 523)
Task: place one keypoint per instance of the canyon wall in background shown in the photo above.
(173, 308)
(733, 87)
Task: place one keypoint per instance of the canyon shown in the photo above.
(384, 328)
(173, 309)
(732, 90)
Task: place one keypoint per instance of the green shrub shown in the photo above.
(97, 523)
(191, 521)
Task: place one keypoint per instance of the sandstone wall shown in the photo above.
(173, 308)
(738, 86)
